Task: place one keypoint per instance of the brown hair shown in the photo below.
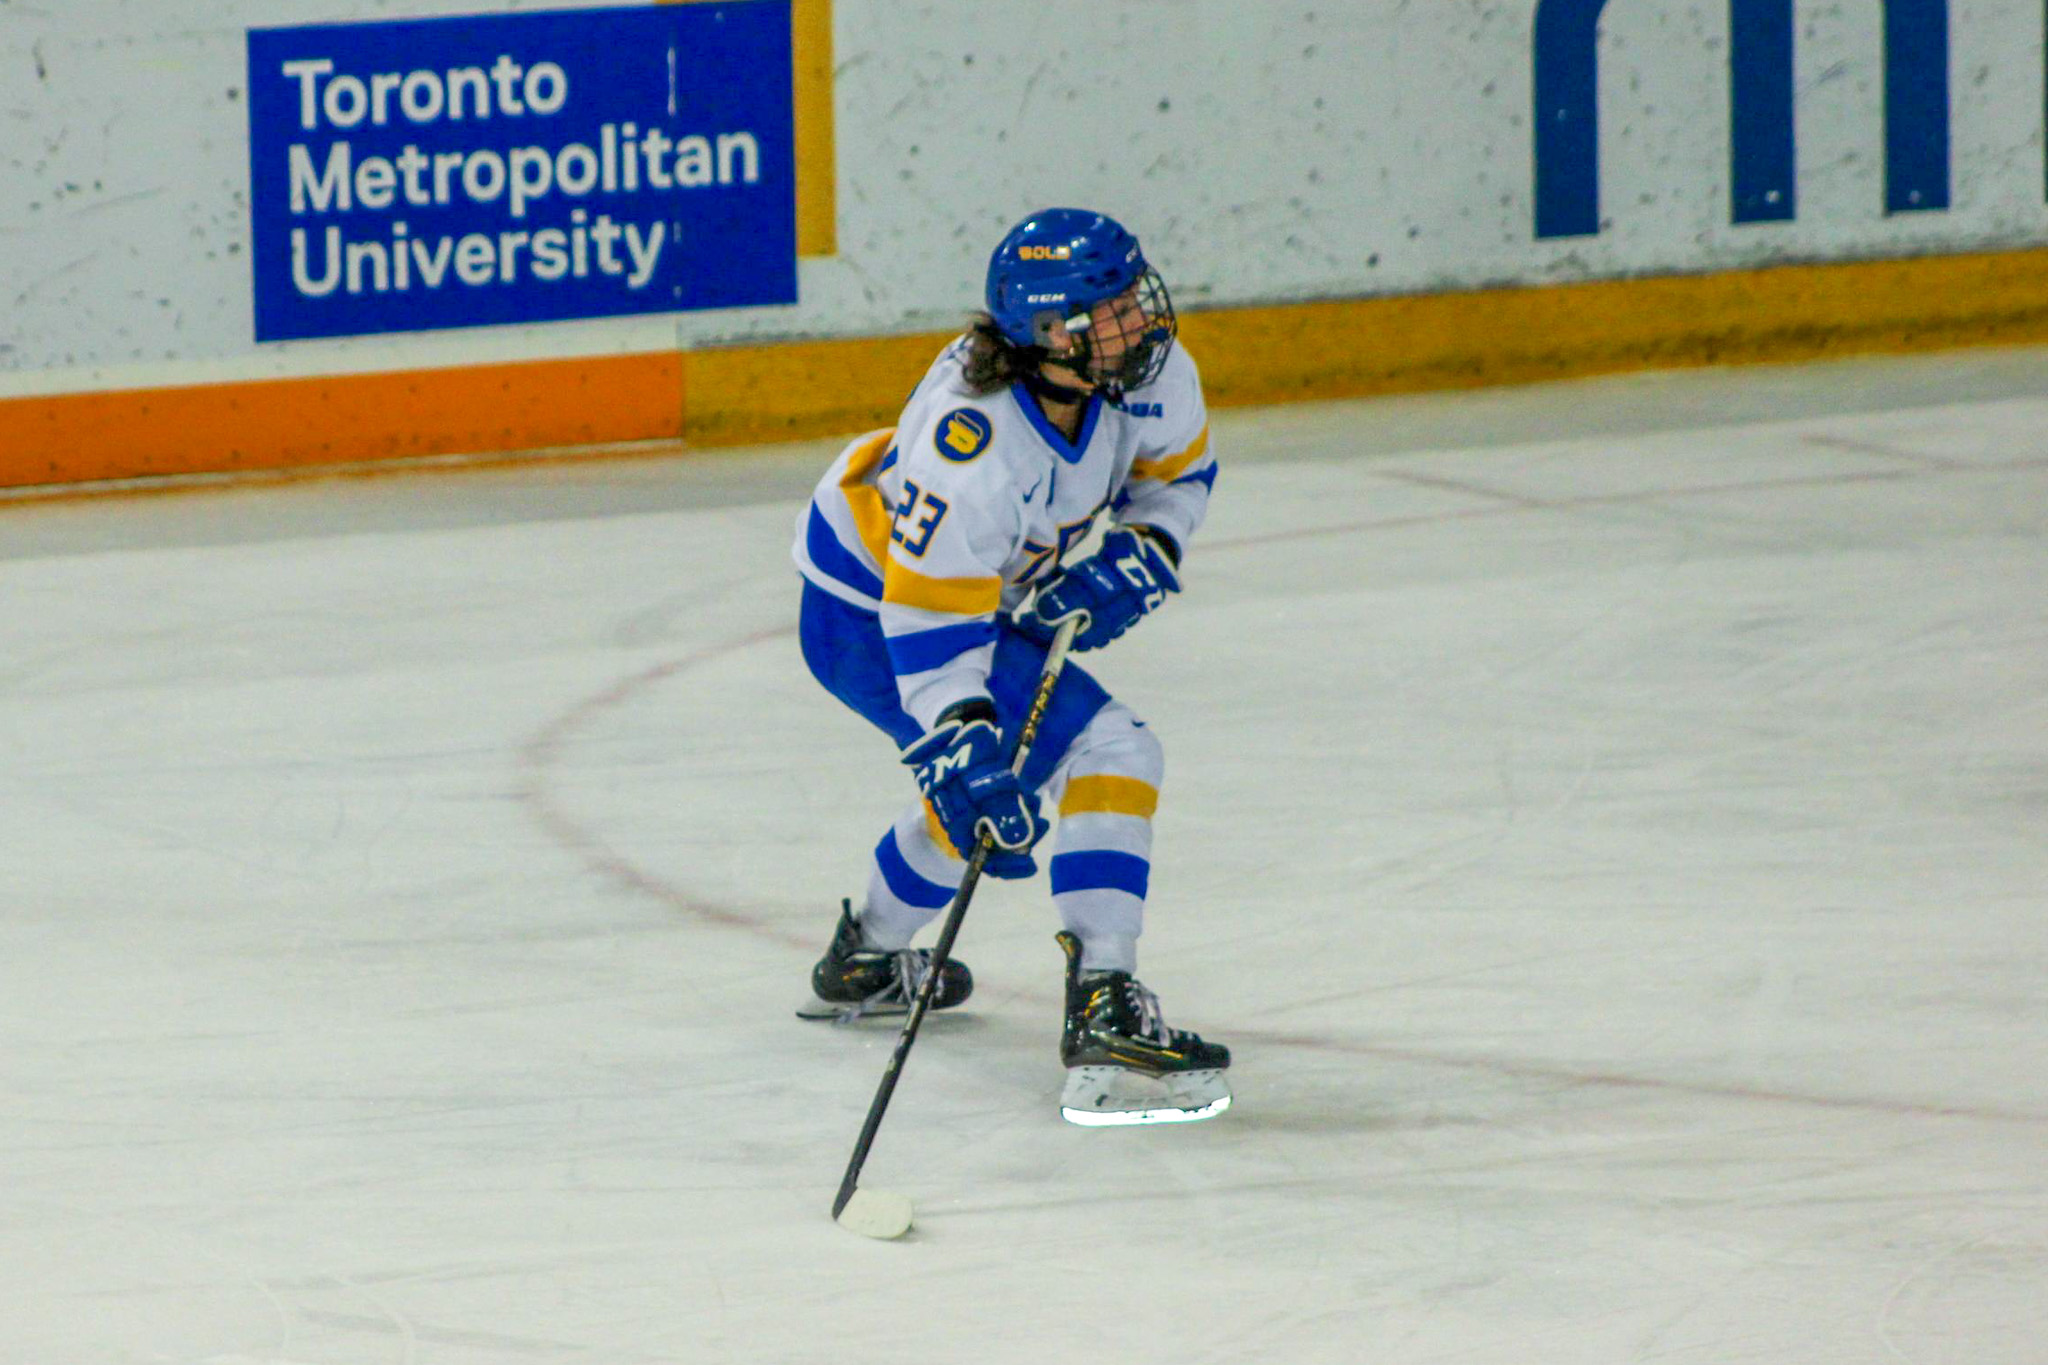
(993, 361)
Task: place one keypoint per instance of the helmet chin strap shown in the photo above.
(1037, 382)
(1078, 356)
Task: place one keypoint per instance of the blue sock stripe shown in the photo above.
(903, 879)
(1101, 871)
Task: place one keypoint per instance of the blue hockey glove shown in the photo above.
(1129, 576)
(960, 770)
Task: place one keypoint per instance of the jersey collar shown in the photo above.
(1070, 451)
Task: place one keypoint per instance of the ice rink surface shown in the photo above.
(1608, 821)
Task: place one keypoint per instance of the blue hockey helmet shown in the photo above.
(1049, 273)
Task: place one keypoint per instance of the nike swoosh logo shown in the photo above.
(1034, 488)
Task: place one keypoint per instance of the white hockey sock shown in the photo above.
(1102, 852)
(1101, 865)
(910, 880)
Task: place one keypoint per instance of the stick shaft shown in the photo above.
(1055, 660)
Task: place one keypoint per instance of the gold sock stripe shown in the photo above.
(1107, 795)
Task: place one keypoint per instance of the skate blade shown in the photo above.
(819, 1008)
(1111, 1097)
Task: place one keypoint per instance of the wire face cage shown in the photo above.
(1122, 343)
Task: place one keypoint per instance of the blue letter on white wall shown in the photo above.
(1567, 117)
(1915, 105)
(1762, 151)
(1761, 158)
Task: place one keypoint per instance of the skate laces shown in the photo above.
(1151, 1021)
(911, 966)
(1138, 999)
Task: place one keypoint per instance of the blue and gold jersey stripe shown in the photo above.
(906, 587)
(1167, 468)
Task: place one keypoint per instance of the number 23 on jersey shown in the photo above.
(917, 517)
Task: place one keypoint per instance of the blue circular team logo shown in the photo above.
(963, 434)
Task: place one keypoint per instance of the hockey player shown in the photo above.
(922, 549)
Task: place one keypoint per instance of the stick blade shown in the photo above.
(876, 1213)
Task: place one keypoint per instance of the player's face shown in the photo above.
(1117, 324)
(1115, 327)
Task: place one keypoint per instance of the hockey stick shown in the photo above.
(877, 1213)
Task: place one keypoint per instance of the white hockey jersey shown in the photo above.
(952, 515)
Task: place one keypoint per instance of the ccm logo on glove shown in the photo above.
(960, 769)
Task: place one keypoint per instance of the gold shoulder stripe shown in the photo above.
(1109, 796)
(1170, 467)
(870, 508)
(868, 455)
(958, 596)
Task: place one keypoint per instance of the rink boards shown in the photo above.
(745, 394)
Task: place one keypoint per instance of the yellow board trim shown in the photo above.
(1360, 348)
(1105, 795)
(800, 389)
(1311, 351)
(906, 587)
(871, 513)
(1171, 467)
(817, 166)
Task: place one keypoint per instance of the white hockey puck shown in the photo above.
(876, 1213)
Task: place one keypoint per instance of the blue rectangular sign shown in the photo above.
(521, 167)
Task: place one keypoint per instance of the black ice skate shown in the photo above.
(851, 981)
(1124, 1065)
